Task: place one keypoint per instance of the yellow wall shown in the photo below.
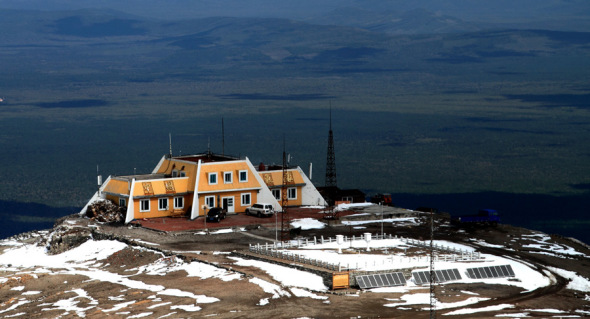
(292, 202)
(155, 212)
(274, 180)
(158, 190)
(234, 167)
(237, 196)
(187, 185)
(114, 199)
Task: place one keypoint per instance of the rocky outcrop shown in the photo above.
(64, 238)
(105, 211)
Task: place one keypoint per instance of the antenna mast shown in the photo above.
(331, 158)
(170, 143)
(209, 146)
(222, 137)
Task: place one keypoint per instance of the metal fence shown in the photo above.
(262, 250)
(275, 250)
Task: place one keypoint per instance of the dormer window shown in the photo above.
(182, 173)
(243, 176)
(227, 177)
(212, 178)
(174, 173)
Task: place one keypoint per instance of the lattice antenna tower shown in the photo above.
(331, 158)
(285, 223)
(432, 273)
(170, 143)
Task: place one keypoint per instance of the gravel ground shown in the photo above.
(241, 298)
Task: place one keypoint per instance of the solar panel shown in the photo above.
(494, 272)
(399, 278)
(510, 272)
(388, 279)
(490, 272)
(360, 281)
(417, 279)
(443, 275)
(372, 281)
(381, 280)
(479, 273)
(424, 277)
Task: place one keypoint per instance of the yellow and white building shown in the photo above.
(300, 190)
(191, 184)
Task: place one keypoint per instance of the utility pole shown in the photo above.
(432, 273)
(285, 223)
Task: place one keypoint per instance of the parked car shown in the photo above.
(260, 209)
(216, 214)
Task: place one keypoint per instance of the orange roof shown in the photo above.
(190, 170)
(117, 186)
(159, 187)
(275, 178)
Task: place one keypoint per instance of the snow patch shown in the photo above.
(285, 275)
(307, 223)
(467, 311)
(577, 282)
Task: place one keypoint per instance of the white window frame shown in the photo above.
(163, 200)
(210, 199)
(211, 176)
(229, 180)
(243, 180)
(276, 191)
(142, 203)
(289, 190)
(122, 202)
(243, 197)
(182, 174)
(174, 173)
(176, 199)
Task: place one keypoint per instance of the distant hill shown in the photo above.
(417, 40)
(569, 15)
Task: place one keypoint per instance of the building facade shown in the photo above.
(190, 185)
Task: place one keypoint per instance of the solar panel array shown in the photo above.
(490, 272)
(444, 275)
(381, 280)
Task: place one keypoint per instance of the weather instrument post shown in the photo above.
(368, 240)
(381, 219)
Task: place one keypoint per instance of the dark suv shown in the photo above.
(216, 214)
